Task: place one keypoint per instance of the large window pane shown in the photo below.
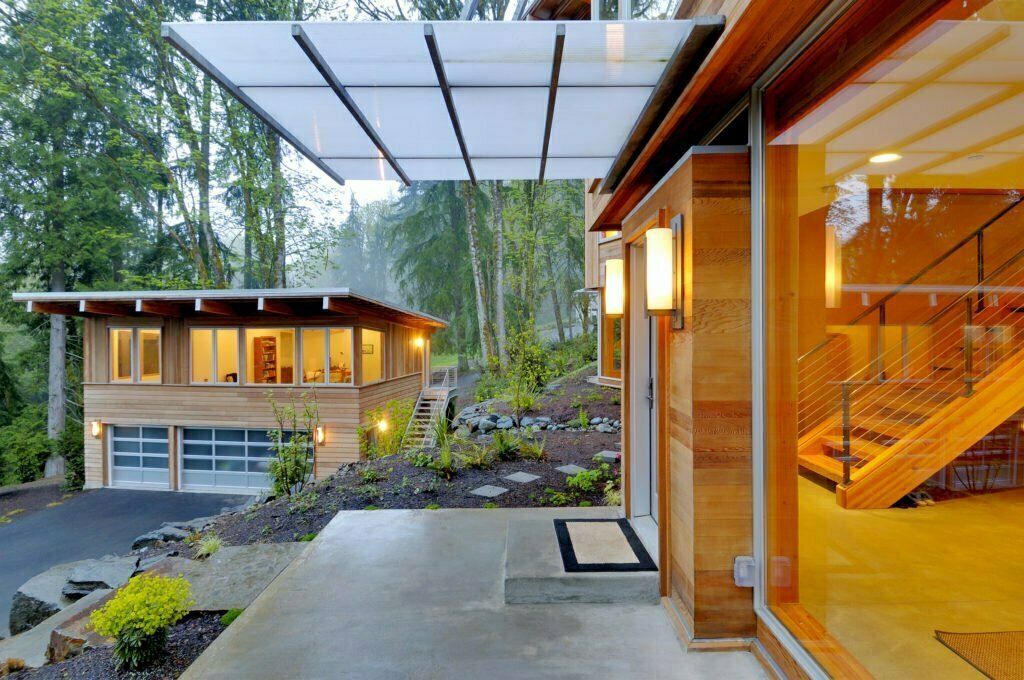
(340, 369)
(227, 355)
(313, 356)
(121, 354)
(894, 345)
(149, 354)
(271, 355)
(202, 355)
(373, 356)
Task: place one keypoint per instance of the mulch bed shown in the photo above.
(186, 641)
(25, 499)
(563, 403)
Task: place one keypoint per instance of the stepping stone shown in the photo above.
(610, 457)
(522, 477)
(488, 491)
(571, 469)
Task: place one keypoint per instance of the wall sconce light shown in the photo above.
(321, 434)
(96, 428)
(382, 426)
(833, 268)
(418, 342)
(664, 267)
(614, 289)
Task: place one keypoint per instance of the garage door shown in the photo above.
(225, 459)
(138, 456)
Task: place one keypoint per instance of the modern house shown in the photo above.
(812, 302)
(176, 383)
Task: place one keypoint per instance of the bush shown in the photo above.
(490, 385)
(207, 546)
(293, 442)
(528, 359)
(373, 475)
(420, 459)
(477, 458)
(572, 355)
(71, 445)
(505, 445)
(531, 449)
(377, 443)
(24, 446)
(229, 616)
(138, 617)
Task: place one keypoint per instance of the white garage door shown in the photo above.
(225, 459)
(138, 456)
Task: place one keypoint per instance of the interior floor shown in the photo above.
(883, 581)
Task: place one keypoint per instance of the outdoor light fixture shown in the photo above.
(887, 157)
(664, 268)
(382, 426)
(321, 434)
(614, 289)
(418, 342)
(96, 428)
(833, 268)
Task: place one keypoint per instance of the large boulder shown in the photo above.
(164, 534)
(31, 646)
(105, 573)
(199, 524)
(486, 425)
(505, 423)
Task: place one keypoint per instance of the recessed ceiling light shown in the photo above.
(887, 157)
(975, 156)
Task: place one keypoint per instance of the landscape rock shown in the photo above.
(542, 420)
(527, 421)
(595, 421)
(486, 425)
(606, 428)
(504, 423)
(198, 524)
(104, 573)
(31, 645)
(73, 636)
(40, 597)
(154, 538)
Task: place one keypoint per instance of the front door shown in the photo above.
(643, 358)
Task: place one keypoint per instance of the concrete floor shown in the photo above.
(883, 581)
(418, 594)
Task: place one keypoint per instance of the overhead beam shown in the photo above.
(469, 10)
(271, 306)
(556, 67)
(215, 307)
(36, 307)
(446, 92)
(314, 55)
(338, 306)
(686, 59)
(157, 308)
(98, 308)
(174, 38)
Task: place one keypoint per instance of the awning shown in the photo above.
(455, 100)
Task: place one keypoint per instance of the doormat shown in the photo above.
(999, 656)
(601, 545)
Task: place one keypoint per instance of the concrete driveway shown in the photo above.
(418, 594)
(92, 524)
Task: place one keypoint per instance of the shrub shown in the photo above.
(490, 385)
(293, 442)
(531, 449)
(583, 418)
(444, 466)
(421, 459)
(372, 475)
(371, 507)
(433, 506)
(522, 398)
(24, 446)
(612, 495)
(616, 398)
(303, 502)
(528, 359)
(584, 481)
(306, 538)
(576, 401)
(139, 615)
(369, 491)
(556, 498)
(505, 445)
(477, 458)
(206, 546)
(490, 506)
(71, 445)
(374, 443)
(229, 616)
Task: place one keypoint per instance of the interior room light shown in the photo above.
(614, 288)
(321, 434)
(887, 157)
(833, 268)
(96, 428)
(659, 249)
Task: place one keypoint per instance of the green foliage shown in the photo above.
(584, 481)
(505, 445)
(293, 442)
(71, 445)
(582, 418)
(371, 507)
(373, 475)
(303, 502)
(571, 355)
(490, 506)
(433, 506)
(595, 396)
(230, 615)
(24, 446)
(305, 538)
(477, 458)
(616, 398)
(207, 546)
(522, 397)
(377, 443)
(556, 498)
(444, 466)
(490, 385)
(370, 492)
(612, 494)
(420, 459)
(532, 449)
(585, 504)
(576, 401)
(138, 617)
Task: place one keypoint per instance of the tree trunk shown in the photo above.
(554, 294)
(469, 200)
(56, 408)
(277, 209)
(498, 204)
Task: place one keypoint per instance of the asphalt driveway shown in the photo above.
(89, 525)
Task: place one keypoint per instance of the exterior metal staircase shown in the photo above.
(882, 430)
(430, 405)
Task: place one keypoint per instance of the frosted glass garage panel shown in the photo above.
(577, 168)
(594, 121)
(618, 53)
(497, 53)
(362, 168)
(425, 169)
(412, 121)
(502, 122)
(506, 168)
(251, 52)
(316, 117)
(375, 53)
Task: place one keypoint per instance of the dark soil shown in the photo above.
(186, 641)
(563, 403)
(25, 499)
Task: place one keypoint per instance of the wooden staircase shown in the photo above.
(431, 404)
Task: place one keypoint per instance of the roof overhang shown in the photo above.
(456, 100)
(277, 302)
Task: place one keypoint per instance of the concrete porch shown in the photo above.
(419, 594)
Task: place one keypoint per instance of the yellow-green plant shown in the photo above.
(206, 546)
(139, 615)
(377, 442)
(533, 449)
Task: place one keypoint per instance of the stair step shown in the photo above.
(826, 466)
(859, 447)
(890, 427)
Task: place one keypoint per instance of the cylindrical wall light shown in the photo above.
(321, 434)
(96, 428)
(833, 268)
(614, 288)
(382, 426)
(659, 249)
(418, 342)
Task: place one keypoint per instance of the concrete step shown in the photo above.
(534, 573)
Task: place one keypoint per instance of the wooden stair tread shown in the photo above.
(826, 466)
(859, 447)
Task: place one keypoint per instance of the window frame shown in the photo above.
(243, 334)
(300, 330)
(135, 355)
(383, 356)
(239, 339)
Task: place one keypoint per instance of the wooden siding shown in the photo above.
(707, 519)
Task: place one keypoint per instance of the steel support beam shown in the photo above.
(556, 67)
(446, 92)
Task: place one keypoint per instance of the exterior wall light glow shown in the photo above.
(833, 269)
(614, 288)
(887, 157)
(321, 434)
(96, 428)
(418, 342)
(382, 426)
(659, 249)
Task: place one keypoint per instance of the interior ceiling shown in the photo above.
(950, 102)
(500, 77)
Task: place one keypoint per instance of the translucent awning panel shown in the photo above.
(392, 79)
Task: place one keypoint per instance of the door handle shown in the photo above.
(650, 393)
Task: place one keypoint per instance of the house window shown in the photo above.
(214, 355)
(271, 358)
(611, 348)
(372, 349)
(327, 356)
(128, 343)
